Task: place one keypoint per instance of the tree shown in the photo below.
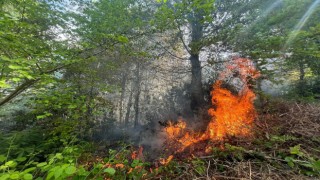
(201, 24)
(283, 34)
(193, 15)
(29, 51)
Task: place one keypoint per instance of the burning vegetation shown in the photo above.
(287, 135)
(232, 114)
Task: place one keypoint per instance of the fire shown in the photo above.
(137, 154)
(174, 130)
(119, 166)
(178, 132)
(166, 161)
(233, 113)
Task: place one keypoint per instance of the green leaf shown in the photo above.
(50, 175)
(16, 79)
(3, 84)
(59, 156)
(27, 176)
(72, 106)
(123, 39)
(110, 171)
(159, 1)
(136, 163)
(41, 116)
(15, 176)
(11, 164)
(70, 170)
(296, 150)
(4, 176)
(41, 164)
(2, 158)
(290, 161)
(316, 165)
(29, 170)
(21, 159)
(82, 172)
(3, 167)
(58, 173)
(15, 67)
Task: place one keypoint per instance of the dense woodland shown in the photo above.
(132, 89)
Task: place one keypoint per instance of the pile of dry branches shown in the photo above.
(279, 118)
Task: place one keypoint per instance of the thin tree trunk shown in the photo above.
(126, 120)
(302, 84)
(89, 101)
(302, 72)
(123, 91)
(137, 96)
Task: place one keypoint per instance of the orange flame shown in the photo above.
(166, 161)
(174, 130)
(178, 132)
(120, 166)
(137, 154)
(233, 115)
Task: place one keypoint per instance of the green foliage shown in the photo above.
(231, 152)
(29, 52)
(27, 155)
(110, 171)
(175, 14)
(199, 166)
(306, 164)
(304, 91)
(282, 139)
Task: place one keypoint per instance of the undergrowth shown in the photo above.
(286, 146)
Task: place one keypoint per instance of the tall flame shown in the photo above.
(232, 115)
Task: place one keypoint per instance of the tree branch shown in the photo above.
(181, 38)
(28, 83)
(18, 90)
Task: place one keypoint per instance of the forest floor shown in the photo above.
(286, 145)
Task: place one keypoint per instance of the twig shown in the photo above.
(228, 177)
(205, 157)
(250, 172)
(208, 171)
(298, 106)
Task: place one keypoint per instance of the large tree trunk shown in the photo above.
(137, 96)
(197, 96)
